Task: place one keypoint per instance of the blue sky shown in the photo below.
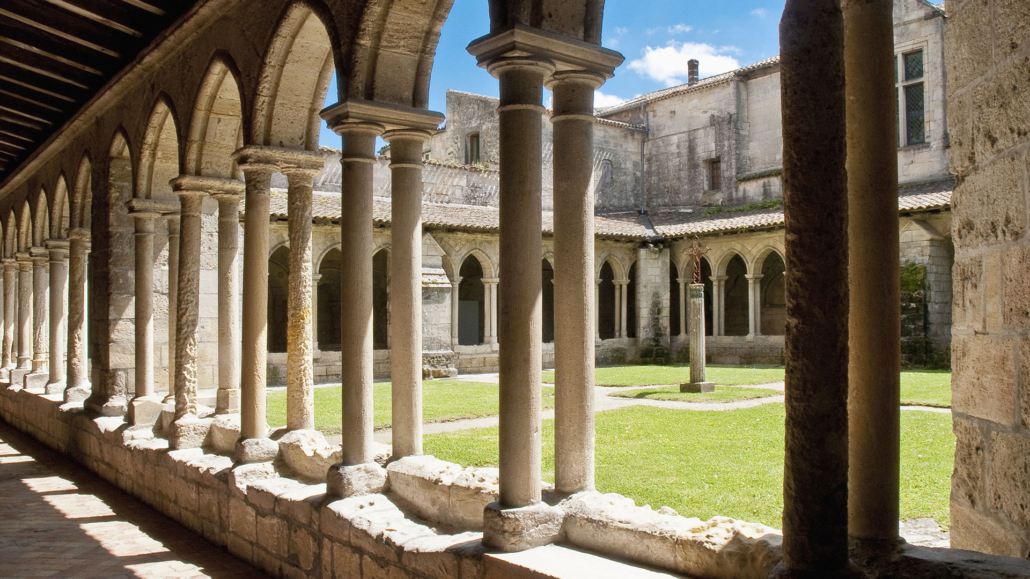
(657, 37)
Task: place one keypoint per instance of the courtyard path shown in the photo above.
(60, 520)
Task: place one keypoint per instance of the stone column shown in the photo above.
(300, 379)
(597, 310)
(78, 362)
(25, 304)
(617, 310)
(684, 306)
(254, 445)
(573, 120)
(173, 298)
(406, 289)
(228, 395)
(874, 279)
(815, 485)
(144, 408)
(455, 286)
(187, 316)
(315, 278)
(58, 249)
(10, 298)
(698, 380)
(718, 301)
(623, 306)
(40, 325)
(752, 305)
(490, 288)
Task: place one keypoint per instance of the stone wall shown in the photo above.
(987, 49)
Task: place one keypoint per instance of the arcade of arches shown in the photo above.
(164, 263)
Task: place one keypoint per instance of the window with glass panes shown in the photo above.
(911, 98)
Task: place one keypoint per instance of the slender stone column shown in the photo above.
(597, 310)
(619, 331)
(455, 306)
(10, 298)
(874, 279)
(315, 278)
(228, 396)
(573, 121)
(40, 324)
(187, 311)
(697, 333)
(758, 305)
(25, 304)
(58, 249)
(406, 289)
(752, 307)
(78, 363)
(815, 485)
(684, 306)
(491, 310)
(144, 408)
(719, 301)
(623, 286)
(300, 379)
(173, 298)
(254, 445)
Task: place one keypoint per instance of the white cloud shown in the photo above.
(620, 30)
(602, 100)
(668, 64)
(760, 12)
(671, 30)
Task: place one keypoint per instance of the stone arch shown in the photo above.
(10, 235)
(82, 196)
(329, 330)
(761, 254)
(278, 286)
(472, 301)
(606, 296)
(735, 301)
(25, 227)
(59, 210)
(40, 220)
(724, 259)
(317, 262)
(159, 156)
(217, 124)
(773, 304)
(489, 270)
(381, 298)
(617, 268)
(298, 67)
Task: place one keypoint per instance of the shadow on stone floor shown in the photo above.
(59, 520)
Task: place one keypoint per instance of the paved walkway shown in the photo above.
(60, 520)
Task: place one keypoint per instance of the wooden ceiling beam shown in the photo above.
(69, 26)
(48, 44)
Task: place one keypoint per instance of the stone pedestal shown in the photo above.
(518, 529)
(361, 479)
(698, 387)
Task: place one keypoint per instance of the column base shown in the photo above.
(189, 432)
(106, 406)
(518, 529)
(698, 387)
(227, 401)
(251, 450)
(55, 387)
(145, 410)
(344, 481)
(77, 393)
(18, 377)
(36, 380)
(849, 572)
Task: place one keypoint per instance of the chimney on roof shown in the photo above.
(692, 65)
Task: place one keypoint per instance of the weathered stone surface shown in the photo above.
(264, 493)
(300, 504)
(442, 491)
(308, 453)
(255, 450)
(244, 475)
(189, 432)
(987, 377)
(1010, 472)
(989, 214)
(146, 410)
(362, 479)
(976, 530)
(225, 431)
(436, 556)
(970, 452)
(518, 529)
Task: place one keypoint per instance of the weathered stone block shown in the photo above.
(346, 562)
(1010, 477)
(980, 531)
(263, 493)
(1001, 109)
(357, 480)
(273, 535)
(308, 453)
(225, 431)
(518, 529)
(242, 520)
(189, 432)
(301, 504)
(240, 547)
(244, 475)
(372, 568)
(985, 378)
(990, 214)
(303, 548)
(432, 556)
(970, 447)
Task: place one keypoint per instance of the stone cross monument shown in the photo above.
(697, 324)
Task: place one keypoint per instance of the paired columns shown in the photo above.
(754, 301)
(490, 323)
(78, 364)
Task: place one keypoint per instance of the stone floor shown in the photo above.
(60, 520)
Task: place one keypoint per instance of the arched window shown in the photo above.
(674, 300)
(472, 149)
(278, 284)
(774, 300)
(736, 299)
(606, 303)
(471, 302)
(548, 306)
(606, 171)
(381, 300)
(329, 321)
(631, 303)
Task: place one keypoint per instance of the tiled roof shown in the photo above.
(673, 91)
(917, 197)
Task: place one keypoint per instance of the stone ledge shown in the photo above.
(444, 492)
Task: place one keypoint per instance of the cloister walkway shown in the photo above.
(60, 520)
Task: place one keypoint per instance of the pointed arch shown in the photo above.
(10, 235)
(25, 227)
(59, 210)
(40, 219)
(614, 263)
(82, 196)
(217, 123)
(159, 156)
(299, 65)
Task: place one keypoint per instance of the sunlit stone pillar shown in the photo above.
(684, 306)
(406, 289)
(718, 305)
(24, 319)
(254, 445)
(58, 250)
(874, 279)
(228, 395)
(815, 485)
(40, 324)
(173, 295)
(597, 310)
(752, 305)
(300, 379)
(144, 408)
(622, 307)
(490, 288)
(10, 299)
(573, 121)
(315, 278)
(455, 307)
(78, 363)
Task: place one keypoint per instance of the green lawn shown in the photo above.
(442, 401)
(721, 394)
(664, 375)
(926, 388)
(718, 463)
